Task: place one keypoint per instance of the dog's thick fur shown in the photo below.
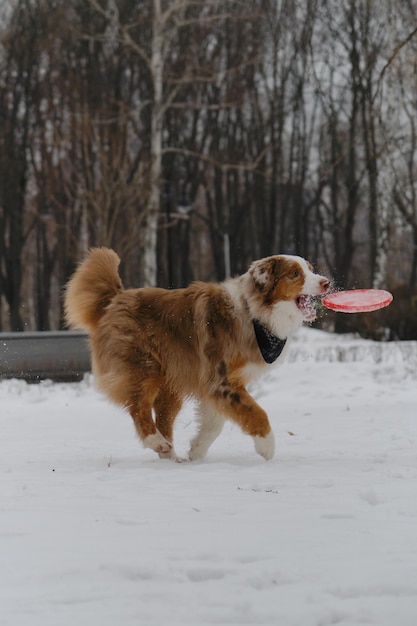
(152, 348)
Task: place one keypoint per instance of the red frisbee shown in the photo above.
(357, 300)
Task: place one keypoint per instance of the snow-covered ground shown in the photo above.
(95, 530)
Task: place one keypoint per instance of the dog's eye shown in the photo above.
(295, 274)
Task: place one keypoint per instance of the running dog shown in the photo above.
(152, 348)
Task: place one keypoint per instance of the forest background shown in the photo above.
(194, 136)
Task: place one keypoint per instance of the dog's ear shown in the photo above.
(265, 273)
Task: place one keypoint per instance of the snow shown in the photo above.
(94, 529)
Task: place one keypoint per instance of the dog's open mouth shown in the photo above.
(305, 305)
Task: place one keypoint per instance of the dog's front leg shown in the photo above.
(238, 404)
(210, 426)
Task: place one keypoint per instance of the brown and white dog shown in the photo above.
(152, 348)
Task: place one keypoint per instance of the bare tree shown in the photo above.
(19, 60)
(195, 135)
(179, 31)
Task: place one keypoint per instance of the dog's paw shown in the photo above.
(180, 459)
(198, 450)
(158, 444)
(194, 455)
(265, 446)
(172, 456)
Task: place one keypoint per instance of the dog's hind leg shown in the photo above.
(140, 408)
(167, 406)
(210, 426)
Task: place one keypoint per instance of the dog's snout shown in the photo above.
(325, 284)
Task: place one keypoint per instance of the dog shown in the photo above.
(152, 348)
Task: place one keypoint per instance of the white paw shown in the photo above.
(265, 446)
(197, 451)
(180, 459)
(158, 444)
(172, 456)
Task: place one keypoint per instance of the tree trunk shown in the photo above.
(152, 208)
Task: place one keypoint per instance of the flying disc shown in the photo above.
(357, 300)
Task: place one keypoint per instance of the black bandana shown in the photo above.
(269, 345)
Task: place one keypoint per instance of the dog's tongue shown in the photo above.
(306, 308)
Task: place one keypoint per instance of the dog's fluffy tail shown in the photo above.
(91, 288)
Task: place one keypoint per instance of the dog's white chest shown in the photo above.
(253, 371)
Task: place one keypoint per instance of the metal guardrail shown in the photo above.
(34, 356)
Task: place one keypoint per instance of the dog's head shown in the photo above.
(285, 284)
